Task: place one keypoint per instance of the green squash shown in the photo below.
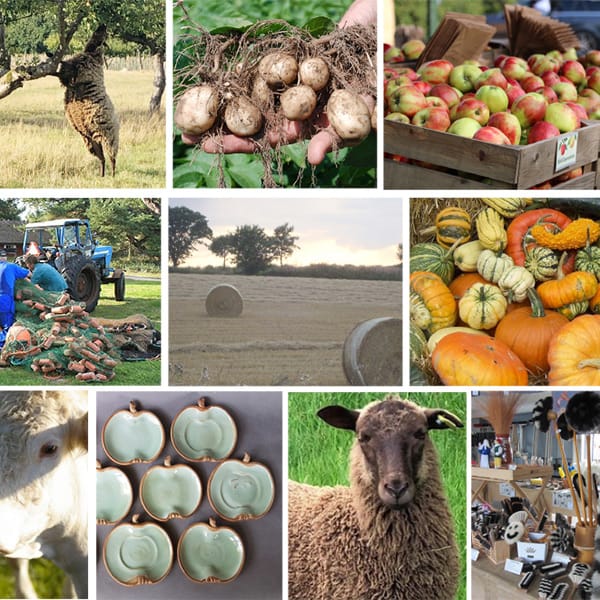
(588, 259)
(418, 342)
(433, 258)
(417, 377)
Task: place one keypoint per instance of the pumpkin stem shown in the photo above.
(589, 362)
(537, 308)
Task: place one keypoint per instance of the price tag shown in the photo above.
(474, 554)
(513, 566)
(566, 150)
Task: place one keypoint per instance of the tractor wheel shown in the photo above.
(120, 288)
(83, 280)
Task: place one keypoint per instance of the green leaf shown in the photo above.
(245, 170)
(295, 153)
(363, 155)
(319, 26)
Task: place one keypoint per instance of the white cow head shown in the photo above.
(43, 446)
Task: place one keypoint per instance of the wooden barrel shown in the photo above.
(372, 352)
(224, 301)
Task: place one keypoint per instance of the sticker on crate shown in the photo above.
(566, 151)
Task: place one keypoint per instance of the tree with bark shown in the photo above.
(187, 229)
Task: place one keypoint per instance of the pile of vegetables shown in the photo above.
(507, 294)
(252, 83)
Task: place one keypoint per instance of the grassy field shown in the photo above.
(318, 453)
(41, 150)
(291, 330)
(142, 297)
(47, 579)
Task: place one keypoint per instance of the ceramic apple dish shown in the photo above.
(241, 489)
(210, 554)
(133, 436)
(114, 495)
(203, 433)
(170, 491)
(138, 553)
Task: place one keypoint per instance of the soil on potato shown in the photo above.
(291, 330)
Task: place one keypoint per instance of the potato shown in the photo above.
(197, 110)
(261, 93)
(242, 117)
(349, 115)
(314, 72)
(298, 103)
(278, 69)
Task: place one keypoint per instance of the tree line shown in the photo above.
(248, 248)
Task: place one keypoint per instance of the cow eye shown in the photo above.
(48, 449)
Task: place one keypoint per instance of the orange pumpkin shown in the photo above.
(462, 283)
(574, 287)
(432, 305)
(477, 360)
(574, 353)
(528, 332)
(595, 302)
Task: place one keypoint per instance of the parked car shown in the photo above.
(582, 15)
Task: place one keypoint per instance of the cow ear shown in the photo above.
(339, 416)
(78, 433)
(438, 418)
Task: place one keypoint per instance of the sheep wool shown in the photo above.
(87, 105)
(346, 544)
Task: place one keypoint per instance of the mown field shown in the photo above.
(41, 150)
(326, 462)
(142, 297)
(291, 331)
(48, 580)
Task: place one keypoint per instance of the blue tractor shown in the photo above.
(68, 245)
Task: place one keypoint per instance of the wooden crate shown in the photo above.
(458, 162)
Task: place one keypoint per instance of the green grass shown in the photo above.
(141, 297)
(318, 453)
(47, 579)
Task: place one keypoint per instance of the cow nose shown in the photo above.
(395, 488)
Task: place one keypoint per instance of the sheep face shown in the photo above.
(392, 437)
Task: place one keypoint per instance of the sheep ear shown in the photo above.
(339, 416)
(441, 419)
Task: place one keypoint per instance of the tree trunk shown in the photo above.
(4, 55)
(159, 82)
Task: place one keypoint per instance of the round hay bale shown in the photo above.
(224, 301)
(373, 352)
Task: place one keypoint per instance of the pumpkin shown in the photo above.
(452, 224)
(482, 306)
(459, 285)
(574, 353)
(507, 207)
(491, 266)
(588, 259)
(477, 360)
(434, 258)
(466, 255)
(432, 305)
(573, 236)
(594, 304)
(542, 263)
(574, 287)
(570, 311)
(434, 338)
(418, 342)
(519, 235)
(490, 229)
(528, 332)
(515, 282)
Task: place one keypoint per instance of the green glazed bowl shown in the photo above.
(210, 554)
(114, 495)
(203, 433)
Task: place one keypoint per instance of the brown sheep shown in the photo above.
(389, 536)
(87, 105)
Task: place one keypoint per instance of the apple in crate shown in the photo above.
(494, 96)
(407, 99)
(529, 109)
(463, 77)
(532, 83)
(550, 78)
(491, 77)
(574, 71)
(435, 101)
(514, 67)
(447, 93)
(508, 124)
(393, 55)
(565, 91)
(589, 99)
(472, 108)
(594, 81)
(514, 91)
(562, 116)
(435, 71)
(398, 117)
(579, 110)
(413, 49)
(592, 58)
(491, 135)
(465, 127)
(542, 130)
(432, 118)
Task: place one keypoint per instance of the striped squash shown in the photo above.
(507, 207)
(418, 342)
(490, 229)
(542, 263)
(452, 224)
(433, 258)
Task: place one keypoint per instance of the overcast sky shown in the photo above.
(332, 230)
